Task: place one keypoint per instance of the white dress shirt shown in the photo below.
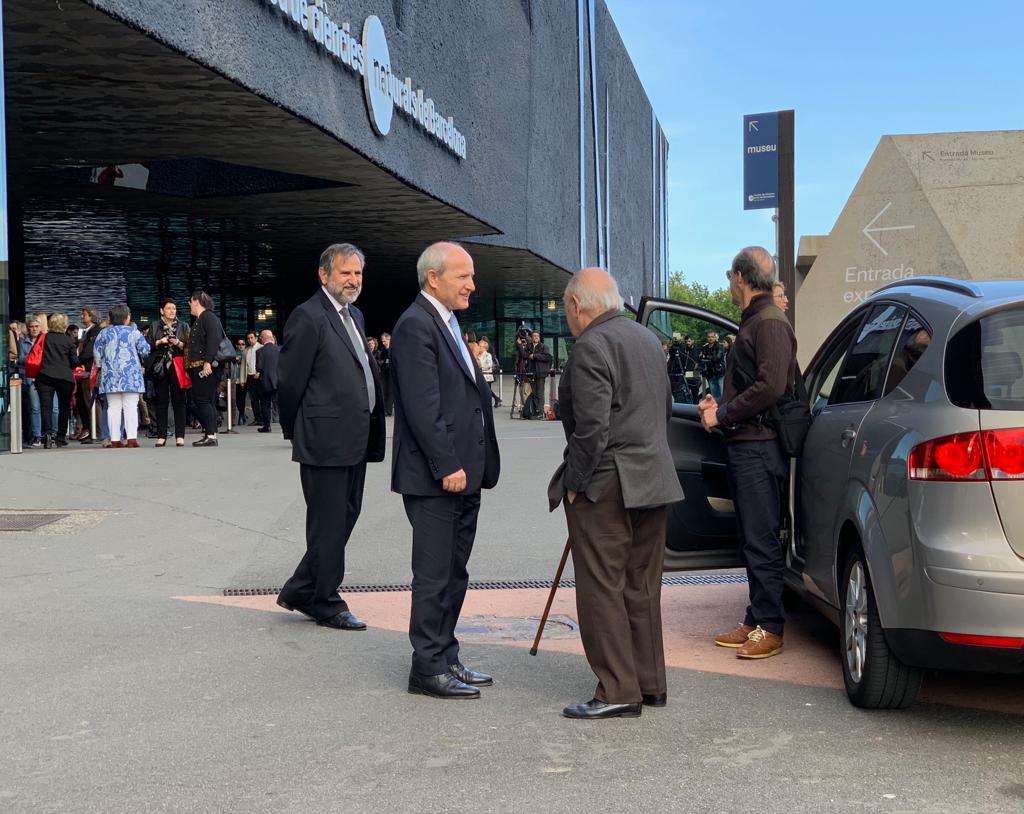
(446, 314)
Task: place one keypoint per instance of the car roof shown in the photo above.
(958, 293)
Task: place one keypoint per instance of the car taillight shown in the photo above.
(986, 455)
(1005, 452)
(1008, 642)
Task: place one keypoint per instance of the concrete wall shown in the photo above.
(506, 70)
(949, 204)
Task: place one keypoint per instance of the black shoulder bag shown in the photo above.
(790, 416)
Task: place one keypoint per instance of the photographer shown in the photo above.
(712, 364)
(540, 366)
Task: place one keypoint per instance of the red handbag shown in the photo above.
(184, 382)
(34, 360)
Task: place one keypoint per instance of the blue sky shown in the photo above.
(853, 72)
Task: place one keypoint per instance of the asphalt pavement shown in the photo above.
(131, 684)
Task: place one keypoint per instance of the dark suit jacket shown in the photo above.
(267, 366)
(615, 402)
(85, 346)
(443, 419)
(321, 394)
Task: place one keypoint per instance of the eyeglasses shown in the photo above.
(728, 274)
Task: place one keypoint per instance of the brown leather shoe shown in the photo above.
(760, 645)
(734, 638)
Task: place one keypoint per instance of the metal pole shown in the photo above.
(94, 421)
(229, 386)
(15, 394)
(501, 389)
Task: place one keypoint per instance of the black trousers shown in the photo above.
(389, 399)
(83, 403)
(443, 530)
(268, 401)
(169, 392)
(757, 471)
(251, 388)
(334, 497)
(204, 392)
(49, 387)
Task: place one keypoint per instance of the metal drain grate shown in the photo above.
(27, 522)
(504, 585)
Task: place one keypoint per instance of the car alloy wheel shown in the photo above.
(856, 628)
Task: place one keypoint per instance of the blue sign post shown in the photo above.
(761, 161)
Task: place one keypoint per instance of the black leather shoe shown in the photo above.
(263, 429)
(444, 686)
(656, 699)
(595, 710)
(346, 620)
(289, 606)
(205, 441)
(467, 676)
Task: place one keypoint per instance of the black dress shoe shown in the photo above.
(346, 620)
(467, 676)
(205, 441)
(659, 699)
(290, 606)
(263, 429)
(595, 710)
(444, 686)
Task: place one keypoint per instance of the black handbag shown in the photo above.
(225, 351)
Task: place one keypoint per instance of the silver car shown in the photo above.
(906, 511)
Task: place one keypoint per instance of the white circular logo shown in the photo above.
(750, 198)
(377, 77)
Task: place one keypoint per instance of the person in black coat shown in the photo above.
(540, 367)
(267, 376)
(201, 353)
(444, 452)
(329, 398)
(56, 378)
(383, 356)
(168, 337)
(83, 402)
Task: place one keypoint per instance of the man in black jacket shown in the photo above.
(330, 402)
(540, 367)
(83, 401)
(758, 467)
(267, 376)
(445, 451)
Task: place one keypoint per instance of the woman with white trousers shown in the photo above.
(118, 351)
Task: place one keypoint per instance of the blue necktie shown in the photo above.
(454, 323)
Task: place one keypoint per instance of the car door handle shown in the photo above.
(847, 435)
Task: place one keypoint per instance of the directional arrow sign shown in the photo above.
(752, 126)
(871, 228)
(761, 161)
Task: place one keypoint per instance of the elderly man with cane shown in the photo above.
(616, 482)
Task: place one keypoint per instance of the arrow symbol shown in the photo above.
(752, 125)
(928, 155)
(867, 230)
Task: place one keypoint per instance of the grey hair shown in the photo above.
(593, 299)
(119, 313)
(342, 250)
(57, 322)
(94, 315)
(756, 266)
(433, 258)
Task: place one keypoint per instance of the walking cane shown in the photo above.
(551, 598)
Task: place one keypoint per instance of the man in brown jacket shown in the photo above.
(616, 482)
(758, 467)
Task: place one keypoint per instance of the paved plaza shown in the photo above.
(132, 683)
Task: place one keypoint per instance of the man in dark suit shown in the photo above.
(540, 367)
(330, 403)
(267, 376)
(445, 451)
(616, 481)
(83, 401)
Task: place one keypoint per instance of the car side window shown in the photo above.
(695, 351)
(827, 381)
(911, 345)
(862, 376)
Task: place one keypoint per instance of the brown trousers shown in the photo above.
(617, 556)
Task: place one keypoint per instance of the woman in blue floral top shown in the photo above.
(117, 355)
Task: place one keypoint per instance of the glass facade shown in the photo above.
(500, 319)
(5, 289)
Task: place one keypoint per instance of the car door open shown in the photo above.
(702, 527)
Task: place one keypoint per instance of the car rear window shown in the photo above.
(983, 363)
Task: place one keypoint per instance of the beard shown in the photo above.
(344, 294)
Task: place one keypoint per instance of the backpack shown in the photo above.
(530, 408)
(790, 416)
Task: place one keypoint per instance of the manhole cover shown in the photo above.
(510, 628)
(27, 522)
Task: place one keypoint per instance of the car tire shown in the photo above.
(874, 677)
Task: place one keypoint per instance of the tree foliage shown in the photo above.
(718, 300)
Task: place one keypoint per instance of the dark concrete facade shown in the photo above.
(235, 81)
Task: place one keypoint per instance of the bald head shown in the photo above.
(589, 294)
(756, 267)
(445, 271)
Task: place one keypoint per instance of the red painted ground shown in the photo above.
(692, 614)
